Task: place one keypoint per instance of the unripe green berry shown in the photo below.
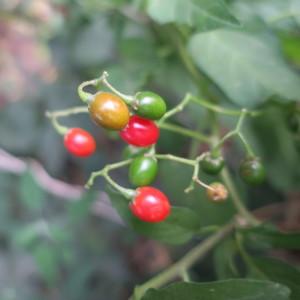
(252, 171)
(150, 105)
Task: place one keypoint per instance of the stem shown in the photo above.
(236, 131)
(127, 193)
(182, 160)
(184, 263)
(62, 130)
(67, 112)
(185, 276)
(242, 210)
(53, 116)
(87, 97)
(185, 101)
(184, 131)
(127, 98)
(222, 110)
(247, 146)
(187, 61)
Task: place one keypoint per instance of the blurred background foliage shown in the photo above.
(52, 248)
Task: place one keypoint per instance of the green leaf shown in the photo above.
(235, 289)
(272, 12)
(31, 193)
(202, 14)
(223, 257)
(269, 236)
(291, 48)
(268, 133)
(281, 272)
(244, 66)
(80, 209)
(47, 261)
(178, 228)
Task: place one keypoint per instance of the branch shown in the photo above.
(184, 263)
(62, 190)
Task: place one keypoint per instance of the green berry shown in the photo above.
(252, 171)
(142, 171)
(150, 105)
(212, 165)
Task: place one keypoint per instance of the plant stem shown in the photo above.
(247, 146)
(67, 112)
(182, 160)
(236, 199)
(182, 104)
(127, 98)
(54, 115)
(184, 263)
(221, 110)
(127, 193)
(186, 132)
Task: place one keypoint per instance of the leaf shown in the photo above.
(80, 209)
(272, 237)
(244, 66)
(178, 228)
(281, 272)
(47, 262)
(234, 289)
(202, 14)
(268, 133)
(30, 192)
(272, 12)
(223, 257)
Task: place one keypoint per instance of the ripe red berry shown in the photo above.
(79, 142)
(140, 132)
(150, 205)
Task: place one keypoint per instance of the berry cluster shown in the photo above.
(137, 119)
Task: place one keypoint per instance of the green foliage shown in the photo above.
(271, 237)
(281, 272)
(235, 289)
(234, 54)
(202, 14)
(230, 59)
(31, 193)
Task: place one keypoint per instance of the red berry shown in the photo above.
(150, 205)
(140, 132)
(79, 142)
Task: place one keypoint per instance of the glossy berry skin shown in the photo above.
(140, 132)
(79, 142)
(150, 105)
(142, 171)
(212, 165)
(217, 192)
(252, 171)
(150, 205)
(109, 111)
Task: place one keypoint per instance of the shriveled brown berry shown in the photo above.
(217, 192)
